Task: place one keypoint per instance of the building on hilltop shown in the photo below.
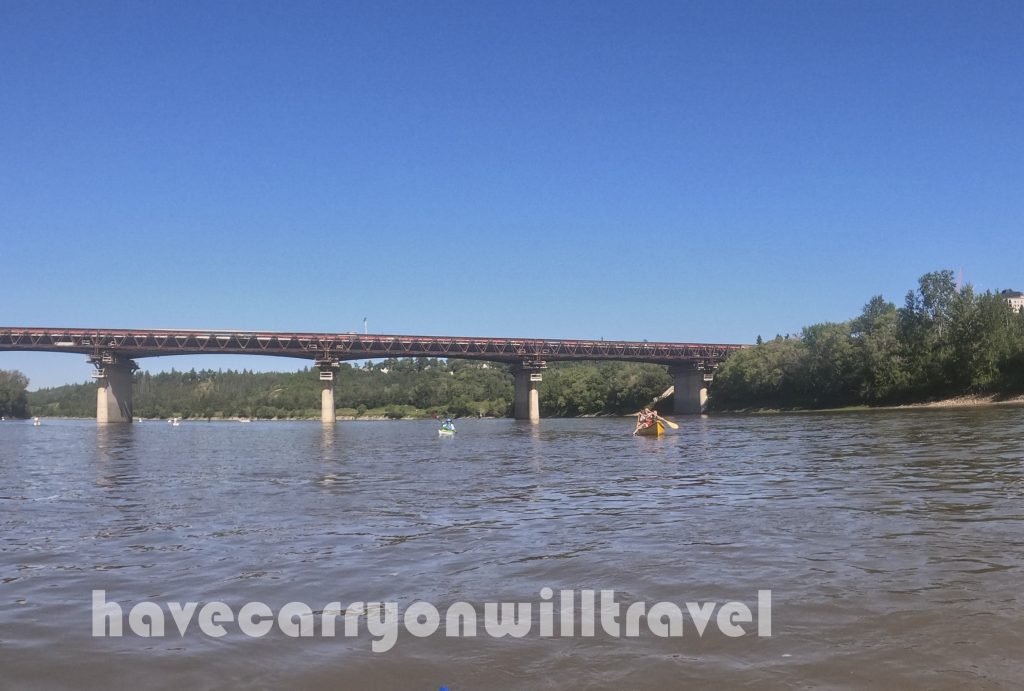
(1015, 298)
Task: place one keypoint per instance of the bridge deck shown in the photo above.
(139, 343)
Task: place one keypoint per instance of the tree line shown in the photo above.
(408, 387)
(944, 341)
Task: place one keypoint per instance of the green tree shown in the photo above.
(943, 341)
(882, 373)
(13, 394)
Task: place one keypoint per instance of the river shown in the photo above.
(891, 542)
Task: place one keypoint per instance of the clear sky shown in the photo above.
(681, 171)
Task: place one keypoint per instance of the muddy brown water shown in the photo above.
(892, 542)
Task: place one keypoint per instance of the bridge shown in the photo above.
(113, 353)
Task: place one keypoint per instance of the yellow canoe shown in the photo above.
(655, 430)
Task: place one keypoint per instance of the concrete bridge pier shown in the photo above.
(114, 388)
(527, 399)
(691, 389)
(328, 413)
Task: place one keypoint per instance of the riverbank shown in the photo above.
(340, 418)
(968, 401)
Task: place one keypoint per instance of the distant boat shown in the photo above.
(175, 421)
(36, 422)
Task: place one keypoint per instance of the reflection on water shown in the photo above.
(114, 455)
(535, 447)
(327, 433)
(114, 442)
(892, 542)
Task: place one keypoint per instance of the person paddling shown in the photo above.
(644, 419)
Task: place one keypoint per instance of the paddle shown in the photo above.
(671, 424)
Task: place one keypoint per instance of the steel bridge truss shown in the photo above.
(133, 344)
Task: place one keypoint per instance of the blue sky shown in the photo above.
(682, 171)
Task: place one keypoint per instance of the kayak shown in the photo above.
(655, 430)
(445, 432)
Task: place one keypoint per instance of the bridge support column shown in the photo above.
(328, 413)
(527, 399)
(114, 388)
(691, 389)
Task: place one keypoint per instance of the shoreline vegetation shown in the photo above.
(416, 388)
(946, 347)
